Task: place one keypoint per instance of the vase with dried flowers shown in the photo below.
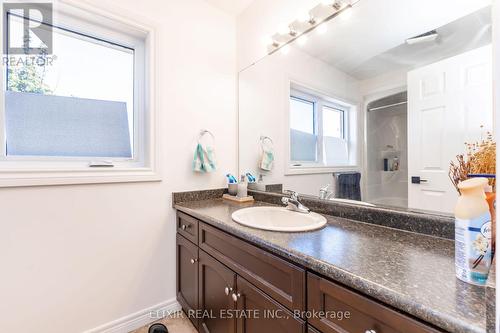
(479, 158)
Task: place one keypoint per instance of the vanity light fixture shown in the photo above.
(308, 21)
(283, 29)
(303, 16)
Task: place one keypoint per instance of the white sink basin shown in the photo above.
(278, 219)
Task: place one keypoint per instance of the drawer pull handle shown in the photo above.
(236, 296)
(193, 261)
(228, 290)
(371, 331)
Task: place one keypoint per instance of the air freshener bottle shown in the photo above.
(472, 232)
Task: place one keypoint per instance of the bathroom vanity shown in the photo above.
(347, 277)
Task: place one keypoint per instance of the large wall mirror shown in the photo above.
(372, 108)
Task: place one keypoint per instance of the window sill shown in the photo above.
(17, 178)
(310, 170)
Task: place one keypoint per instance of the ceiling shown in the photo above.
(232, 7)
(462, 35)
(368, 45)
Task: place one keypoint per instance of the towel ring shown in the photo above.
(203, 132)
(265, 139)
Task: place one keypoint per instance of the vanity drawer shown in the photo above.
(187, 226)
(278, 278)
(365, 315)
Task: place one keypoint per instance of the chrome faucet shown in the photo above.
(293, 203)
(325, 193)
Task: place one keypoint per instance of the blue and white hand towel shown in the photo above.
(204, 159)
(267, 160)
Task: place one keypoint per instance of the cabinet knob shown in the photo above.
(371, 331)
(228, 290)
(235, 297)
(193, 261)
(184, 227)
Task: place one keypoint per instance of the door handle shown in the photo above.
(418, 180)
(236, 296)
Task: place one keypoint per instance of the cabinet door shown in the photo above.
(216, 284)
(341, 310)
(187, 277)
(258, 313)
(283, 281)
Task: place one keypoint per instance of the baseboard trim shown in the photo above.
(138, 319)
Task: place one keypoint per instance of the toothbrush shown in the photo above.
(231, 179)
(251, 178)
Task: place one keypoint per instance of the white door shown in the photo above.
(448, 101)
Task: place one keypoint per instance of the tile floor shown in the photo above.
(175, 324)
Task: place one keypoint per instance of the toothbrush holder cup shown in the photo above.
(232, 189)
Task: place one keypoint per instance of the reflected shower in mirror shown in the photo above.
(372, 109)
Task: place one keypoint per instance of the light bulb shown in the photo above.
(267, 40)
(321, 29)
(346, 14)
(285, 49)
(283, 29)
(302, 40)
(303, 16)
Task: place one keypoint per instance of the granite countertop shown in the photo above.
(411, 272)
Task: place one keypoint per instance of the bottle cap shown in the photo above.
(472, 183)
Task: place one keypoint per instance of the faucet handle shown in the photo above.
(293, 195)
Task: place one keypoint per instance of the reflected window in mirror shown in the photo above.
(318, 130)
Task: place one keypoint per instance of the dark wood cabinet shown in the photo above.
(187, 226)
(216, 286)
(258, 313)
(344, 311)
(187, 276)
(227, 285)
(282, 280)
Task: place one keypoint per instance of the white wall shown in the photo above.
(76, 257)
(264, 93)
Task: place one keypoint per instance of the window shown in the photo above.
(318, 130)
(84, 105)
(303, 130)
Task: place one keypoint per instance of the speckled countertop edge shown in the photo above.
(363, 285)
